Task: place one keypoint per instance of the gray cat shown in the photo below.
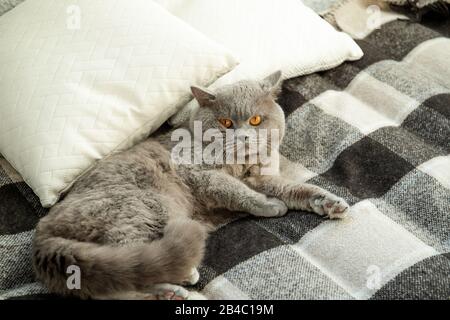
(135, 225)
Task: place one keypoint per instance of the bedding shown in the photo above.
(375, 132)
(82, 79)
(419, 8)
(265, 36)
(419, 4)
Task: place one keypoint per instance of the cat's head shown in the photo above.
(246, 106)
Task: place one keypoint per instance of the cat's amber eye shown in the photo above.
(255, 120)
(227, 123)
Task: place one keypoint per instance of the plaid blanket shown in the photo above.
(375, 132)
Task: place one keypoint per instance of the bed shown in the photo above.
(374, 131)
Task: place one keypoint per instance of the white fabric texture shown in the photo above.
(265, 35)
(80, 79)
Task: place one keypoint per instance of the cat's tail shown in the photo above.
(90, 270)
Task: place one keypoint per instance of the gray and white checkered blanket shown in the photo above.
(375, 132)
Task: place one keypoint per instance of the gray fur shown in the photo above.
(130, 223)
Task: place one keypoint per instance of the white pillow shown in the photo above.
(80, 79)
(265, 35)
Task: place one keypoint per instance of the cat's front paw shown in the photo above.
(168, 291)
(193, 278)
(330, 205)
(271, 207)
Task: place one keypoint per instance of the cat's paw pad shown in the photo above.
(331, 206)
(194, 276)
(271, 207)
(167, 291)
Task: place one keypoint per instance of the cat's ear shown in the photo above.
(272, 83)
(203, 96)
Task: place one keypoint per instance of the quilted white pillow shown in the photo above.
(80, 79)
(265, 35)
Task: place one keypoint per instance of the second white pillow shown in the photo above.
(265, 35)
